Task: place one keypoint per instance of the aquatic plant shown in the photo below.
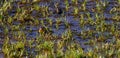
(75, 2)
(76, 11)
(67, 5)
(84, 5)
(13, 50)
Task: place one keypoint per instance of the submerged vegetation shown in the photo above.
(60, 29)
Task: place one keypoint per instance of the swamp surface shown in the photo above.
(60, 28)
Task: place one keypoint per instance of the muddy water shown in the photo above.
(31, 31)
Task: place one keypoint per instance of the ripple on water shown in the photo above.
(32, 35)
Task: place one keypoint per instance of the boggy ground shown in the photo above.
(60, 29)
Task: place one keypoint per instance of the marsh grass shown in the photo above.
(48, 44)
